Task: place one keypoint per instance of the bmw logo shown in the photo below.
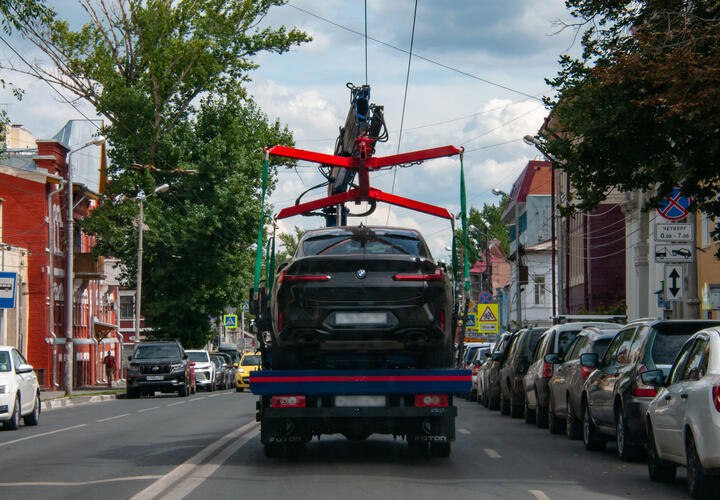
(361, 273)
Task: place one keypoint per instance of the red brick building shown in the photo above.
(33, 190)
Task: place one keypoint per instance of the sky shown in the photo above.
(475, 81)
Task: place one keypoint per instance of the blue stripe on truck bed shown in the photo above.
(318, 382)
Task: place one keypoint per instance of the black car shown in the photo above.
(490, 373)
(158, 366)
(513, 367)
(362, 297)
(614, 399)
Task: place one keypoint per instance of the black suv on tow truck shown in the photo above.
(158, 366)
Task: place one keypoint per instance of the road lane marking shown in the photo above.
(492, 453)
(463, 431)
(539, 495)
(178, 403)
(148, 409)
(80, 483)
(112, 418)
(182, 471)
(43, 434)
(214, 395)
(198, 399)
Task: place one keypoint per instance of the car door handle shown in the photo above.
(683, 396)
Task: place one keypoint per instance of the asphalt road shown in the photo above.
(208, 445)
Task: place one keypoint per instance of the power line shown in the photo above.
(431, 61)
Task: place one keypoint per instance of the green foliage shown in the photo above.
(168, 78)
(289, 242)
(641, 108)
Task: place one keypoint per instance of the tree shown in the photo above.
(168, 77)
(641, 108)
(289, 242)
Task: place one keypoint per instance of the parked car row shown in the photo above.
(651, 386)
(164, 366)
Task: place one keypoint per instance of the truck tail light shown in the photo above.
(295, 278)
(547, 370)
(716, 397)
(426, 400)
(436, 276)
(287, 401)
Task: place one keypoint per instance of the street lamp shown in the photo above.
(141, 222)
(69, 266)
(531, 140)
(518, 292)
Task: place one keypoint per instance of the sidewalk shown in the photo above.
(52, 399)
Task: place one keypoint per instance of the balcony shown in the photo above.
(88, 266)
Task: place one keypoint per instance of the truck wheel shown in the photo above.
(133, 393)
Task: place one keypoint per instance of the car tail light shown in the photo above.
(441, 320)
(644, 392)
(436, 276)
(287, 402)
(547, 370)
(294, 278)
(586, 371)
(279, 321)
(716, 397)
(431, 400)
(475, 370)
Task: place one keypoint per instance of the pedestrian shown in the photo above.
(109, 363)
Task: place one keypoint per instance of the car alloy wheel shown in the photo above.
(14, 421)
(699, 484)
(591, 439)
(625, 450)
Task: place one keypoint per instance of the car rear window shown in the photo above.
(376, 244)
(565, 338)
(669, 339)
(253, 360)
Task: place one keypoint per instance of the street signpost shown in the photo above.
(682, 252)
(230, 320)
(487, 318)
(674, 278)
(673, 232)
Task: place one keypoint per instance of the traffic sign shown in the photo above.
(230, 320)
(673, 232)
(470, 321)
(7, 290)
(674, 282)
(679, 252)
(674, 206)
(487, 318)
(485, 298)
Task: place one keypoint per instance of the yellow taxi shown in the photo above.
(249, 362)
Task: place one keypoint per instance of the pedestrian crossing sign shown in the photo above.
(487, 318)
(230, 320)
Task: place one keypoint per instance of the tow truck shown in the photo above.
(326, 380)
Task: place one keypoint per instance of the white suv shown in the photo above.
(204, 368)
(19, 391)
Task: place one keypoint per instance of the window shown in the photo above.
(540, 290)
(617, 352)
(696, 365)
(576, 347)
(127, 307)
(679, 366)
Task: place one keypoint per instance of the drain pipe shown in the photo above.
(122, 352)
(51, 280)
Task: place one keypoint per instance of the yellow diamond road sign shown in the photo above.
(487, 318)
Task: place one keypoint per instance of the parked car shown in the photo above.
(513, 368)
(158, 366)
(614, 399)
(469, 354)
(222, 374)
(569, 377)
(683, 421)
(490, 374)
(480, 355)
(204, 369)
(19, 390)
(251, 361)
(555, 340)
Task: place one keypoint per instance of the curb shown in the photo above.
(53, 404)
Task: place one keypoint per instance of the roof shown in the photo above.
(535, 179)
(85, 163)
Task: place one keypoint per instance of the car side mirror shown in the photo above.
(23, 368)
(553, 358)
(655, 378)
(589, 359)
(236, 365)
